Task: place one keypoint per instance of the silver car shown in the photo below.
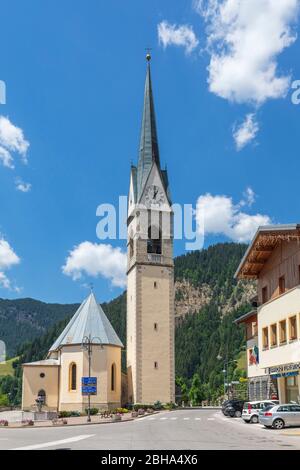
(280, 416)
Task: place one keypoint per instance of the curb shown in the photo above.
(126, 420)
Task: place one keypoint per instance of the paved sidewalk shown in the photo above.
(71, 421)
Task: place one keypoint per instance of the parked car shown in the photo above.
(280, 416)
(224, 404)
(233, 408)
(250, 413)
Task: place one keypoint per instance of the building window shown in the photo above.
(113, 377)
(274, 335)
(131, 248)
(155, 285)
(293, 328)
(155, 326)
(42, 375)
(155, 365)
(73, 376)
(264, 294)
(154, 240)
(282, 332)
(281, 283)
(265, 338)
(42, 396)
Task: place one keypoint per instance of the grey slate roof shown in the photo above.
(88, 320)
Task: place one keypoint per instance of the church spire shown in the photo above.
(148, 152)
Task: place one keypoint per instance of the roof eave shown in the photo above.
(261, 229)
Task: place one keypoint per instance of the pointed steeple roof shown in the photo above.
(148, 152)
(88, 320)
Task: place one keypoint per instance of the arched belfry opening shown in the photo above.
(154, 244)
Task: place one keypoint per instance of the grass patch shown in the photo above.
(6, 367)
(242, 361)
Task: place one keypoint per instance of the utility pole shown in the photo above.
(87, 344)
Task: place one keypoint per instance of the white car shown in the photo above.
(250, 413)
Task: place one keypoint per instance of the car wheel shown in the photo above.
(254, 419)
(278, 424)
(231, 414)
(237, 414)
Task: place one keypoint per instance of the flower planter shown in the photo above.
(116, 417)
(134, 414)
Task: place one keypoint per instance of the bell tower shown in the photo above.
(150, 271)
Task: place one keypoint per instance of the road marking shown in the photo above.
(173, 419)
(186, 419)
(198, 419)
(210, 419)
(55, 443)
(163, 418)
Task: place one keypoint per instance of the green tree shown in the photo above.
(196, 391)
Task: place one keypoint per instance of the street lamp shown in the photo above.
(225, 372)
(87, 343)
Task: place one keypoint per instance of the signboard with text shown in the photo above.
(89, 385)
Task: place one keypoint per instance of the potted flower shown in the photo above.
(134, 414)
(3, 422)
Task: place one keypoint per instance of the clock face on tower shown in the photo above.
(154, 196)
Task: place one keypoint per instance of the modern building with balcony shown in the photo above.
(273, 260)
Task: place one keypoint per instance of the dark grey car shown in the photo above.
(280, 416)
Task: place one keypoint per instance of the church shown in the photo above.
(88, 351)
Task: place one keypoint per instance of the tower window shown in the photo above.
(113, 377)
(155, 326)
(155, 284)
(155, 365)
(131, 248)
(154, 240)
(72, 376)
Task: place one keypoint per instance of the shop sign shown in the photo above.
(285, 374)
(283, 368)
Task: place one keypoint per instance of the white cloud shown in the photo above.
(22, 186)
(249, 197)
(8, 258)
(218, 215)
(6, 158)
(245, 132)
(245, 38)
(12, 140)
(97, 260)
(171, 34)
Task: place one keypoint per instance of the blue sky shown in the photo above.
(74, 74)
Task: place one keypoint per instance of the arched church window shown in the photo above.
(42, 396)
(113, 377)
(73, 376)
(154, 240)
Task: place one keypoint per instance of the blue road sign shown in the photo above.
(89, 385)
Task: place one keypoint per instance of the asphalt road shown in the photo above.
(182, 429)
